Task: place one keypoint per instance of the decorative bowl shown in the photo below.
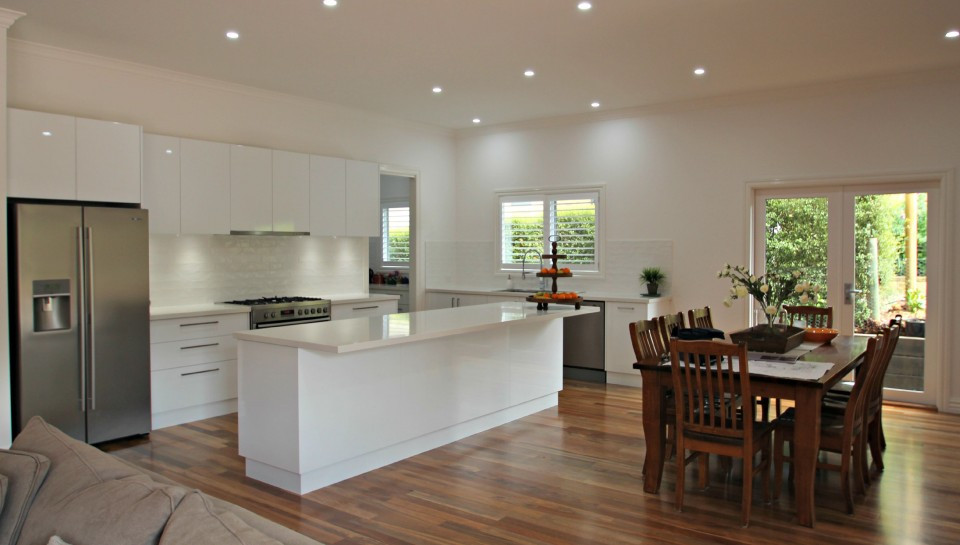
(820, 334)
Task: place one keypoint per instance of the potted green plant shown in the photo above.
(653, 276)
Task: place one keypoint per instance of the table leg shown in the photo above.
(806, 446)
(653, 431)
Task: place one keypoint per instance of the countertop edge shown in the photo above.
(190, 311)
(608, 297)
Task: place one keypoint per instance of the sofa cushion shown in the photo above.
(4, 484)
(25, 472)
(91, 497)
(196, 522)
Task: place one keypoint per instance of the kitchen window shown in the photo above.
(529, 219)
(395, 233)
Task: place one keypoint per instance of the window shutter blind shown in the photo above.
(521, 228)
(574, 220)
(396, 234)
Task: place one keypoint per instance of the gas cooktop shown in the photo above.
(275, 300)
(277, 311)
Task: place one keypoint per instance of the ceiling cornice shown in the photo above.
(22, 47)
(950, 74)
(8, 17)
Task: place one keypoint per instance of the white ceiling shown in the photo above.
(386, 55)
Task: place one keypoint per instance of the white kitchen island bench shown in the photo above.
(323, 402)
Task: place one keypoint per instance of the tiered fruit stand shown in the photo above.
(543, 300)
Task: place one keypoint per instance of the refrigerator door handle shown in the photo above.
(90, 325)
(81, 313)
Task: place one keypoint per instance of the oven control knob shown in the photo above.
(266, 314)
(313, 311)
(299, 312)
(273, 314)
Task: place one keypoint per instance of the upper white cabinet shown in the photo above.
(62, 157)
(344, 197)
(291, 189)
(108, 161)
(251, 189)
(42, 159)
(204, 187)
(363, 199)
(161, 183)
(328, 195)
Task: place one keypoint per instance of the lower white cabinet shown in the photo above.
(193, 367)
(618, 348)
(342, 311)
(437, 300)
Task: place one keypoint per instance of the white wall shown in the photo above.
(163, 102)
(681, 175)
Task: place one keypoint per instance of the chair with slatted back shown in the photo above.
(667, 323)
(700, 317)
(839, 432)
(812, 316)
(649, 350)
(707, 376)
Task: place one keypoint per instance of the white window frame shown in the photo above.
(384, 205)
(547, 195)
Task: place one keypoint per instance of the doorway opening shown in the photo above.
(392, 254)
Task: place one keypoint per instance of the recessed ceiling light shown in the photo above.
(594, 104)
(47, 133)
(476, 120)
(953, 34)
(529, 73)
(699, 71)
(438, 90)
(330, 3)
(233, 34)
(169, 152)
(584, 6)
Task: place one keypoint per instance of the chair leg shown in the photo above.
(859, 456)
(765, 455)
(704, 470)
(845, 479)
(681, 470)
(883, 436)
(765, 408)
(747, 489)
(876, 448)
(779, 441)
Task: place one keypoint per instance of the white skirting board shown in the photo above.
(623, 379)
(192, 414)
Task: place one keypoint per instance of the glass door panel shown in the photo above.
(797, 236)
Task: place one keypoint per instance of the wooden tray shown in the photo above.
(555, 275)
(759, 338)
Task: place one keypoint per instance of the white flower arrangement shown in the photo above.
(770, 290)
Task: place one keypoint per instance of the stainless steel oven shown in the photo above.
(280, 311)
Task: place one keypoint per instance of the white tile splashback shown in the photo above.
(471, 264)
(191, 269)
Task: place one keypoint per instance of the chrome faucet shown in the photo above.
(523, 264)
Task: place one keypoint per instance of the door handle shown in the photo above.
(848, 292)
(81, 319)
(199, 346)
(92, 326)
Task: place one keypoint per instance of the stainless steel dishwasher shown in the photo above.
(583, 345)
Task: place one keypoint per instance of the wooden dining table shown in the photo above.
(844, 352)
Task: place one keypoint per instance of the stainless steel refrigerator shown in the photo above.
(80, 319)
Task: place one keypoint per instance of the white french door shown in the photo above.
(874, 251)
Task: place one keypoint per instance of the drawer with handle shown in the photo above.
(197, 327)
(176, 354)
(173, 389)
(359, 310)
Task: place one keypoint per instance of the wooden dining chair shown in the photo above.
(700, 317)
(839, 432)
(812, 316)
(667, 323)
(649, 350)
(707, 376)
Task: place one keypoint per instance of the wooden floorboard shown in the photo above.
(572, 474)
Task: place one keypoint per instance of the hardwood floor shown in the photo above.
(572, 475)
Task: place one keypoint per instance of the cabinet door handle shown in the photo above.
(365, 308)
(198, 346)
(458, 301)
(626, 308)
(453, 302)
(199, 372)
(199, 323)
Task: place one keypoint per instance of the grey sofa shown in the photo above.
(53, 485)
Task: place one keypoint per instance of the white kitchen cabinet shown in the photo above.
(291, 191)
(363, 199)
(42, 158)
(161, 183)
(618, 348)
(108, 161)
(328, 176)
(437, 300)
(251, 189)
(342, 311)
(204, 187)
(403, 290)
(193, 367)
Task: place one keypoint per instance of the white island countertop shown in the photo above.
(351, 335)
